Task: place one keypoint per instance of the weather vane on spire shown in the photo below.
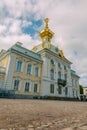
(46, 21)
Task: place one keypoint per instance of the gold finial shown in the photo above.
(46, 21)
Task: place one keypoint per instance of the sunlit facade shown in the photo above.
(41, 72)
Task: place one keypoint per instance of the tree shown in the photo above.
(81, 89)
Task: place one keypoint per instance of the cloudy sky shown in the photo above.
(22, 20)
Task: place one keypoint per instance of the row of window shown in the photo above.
(59, 89)
(27, 86)
(19, 68)
(59, 65)
(52, 73)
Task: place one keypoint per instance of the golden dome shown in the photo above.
(46, 32)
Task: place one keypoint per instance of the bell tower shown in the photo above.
(46, 35)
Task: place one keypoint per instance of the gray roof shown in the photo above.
(26, 52)
(74, 73)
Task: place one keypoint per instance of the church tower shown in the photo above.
(46, 35)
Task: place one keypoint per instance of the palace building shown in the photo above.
(43, 71)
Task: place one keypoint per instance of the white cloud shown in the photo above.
(2, 28)
(68, 19)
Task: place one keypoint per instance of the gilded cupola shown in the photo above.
(46, 35)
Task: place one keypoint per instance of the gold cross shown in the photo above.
(46, 21)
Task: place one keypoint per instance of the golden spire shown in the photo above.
(46, 21)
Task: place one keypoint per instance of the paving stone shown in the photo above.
(22, 128)
(69, 128)
(31, 129)
(30, 126)
(3, 129)
(83, 128)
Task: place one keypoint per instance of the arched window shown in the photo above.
(29, 68)
(52, 73)
(19, 66)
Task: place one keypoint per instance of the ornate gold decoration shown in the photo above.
(34, 48)
(61, 53)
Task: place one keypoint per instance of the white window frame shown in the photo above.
(31, 68)
(59, 75)
(29, 85)
(21, 66)
(38, 70)
(52, 88)
(19, 87)
(37, 87)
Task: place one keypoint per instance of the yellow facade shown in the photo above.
(23, 75)
(4, 61)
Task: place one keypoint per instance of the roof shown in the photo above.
(54, 49)
(26, 52)
(74, 73)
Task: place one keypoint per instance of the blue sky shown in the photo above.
(22, 20)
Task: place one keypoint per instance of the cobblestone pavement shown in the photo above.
(42, 115)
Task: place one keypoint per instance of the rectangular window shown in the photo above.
(35, 88)
(59, 75)
(72, 82)
(29, 69)
(60, 90)
(59, 65)
(66, 90)
(0, 82)
(16, 84)
(27, 85)
(52, 74)
(36, 71)
(52, 88)
(65, 76)
(64, 67)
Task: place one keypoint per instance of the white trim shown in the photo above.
(38, 70)
(31, 68)
(30, 82)
(36, 82)
(22, 65)
(20, 82)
